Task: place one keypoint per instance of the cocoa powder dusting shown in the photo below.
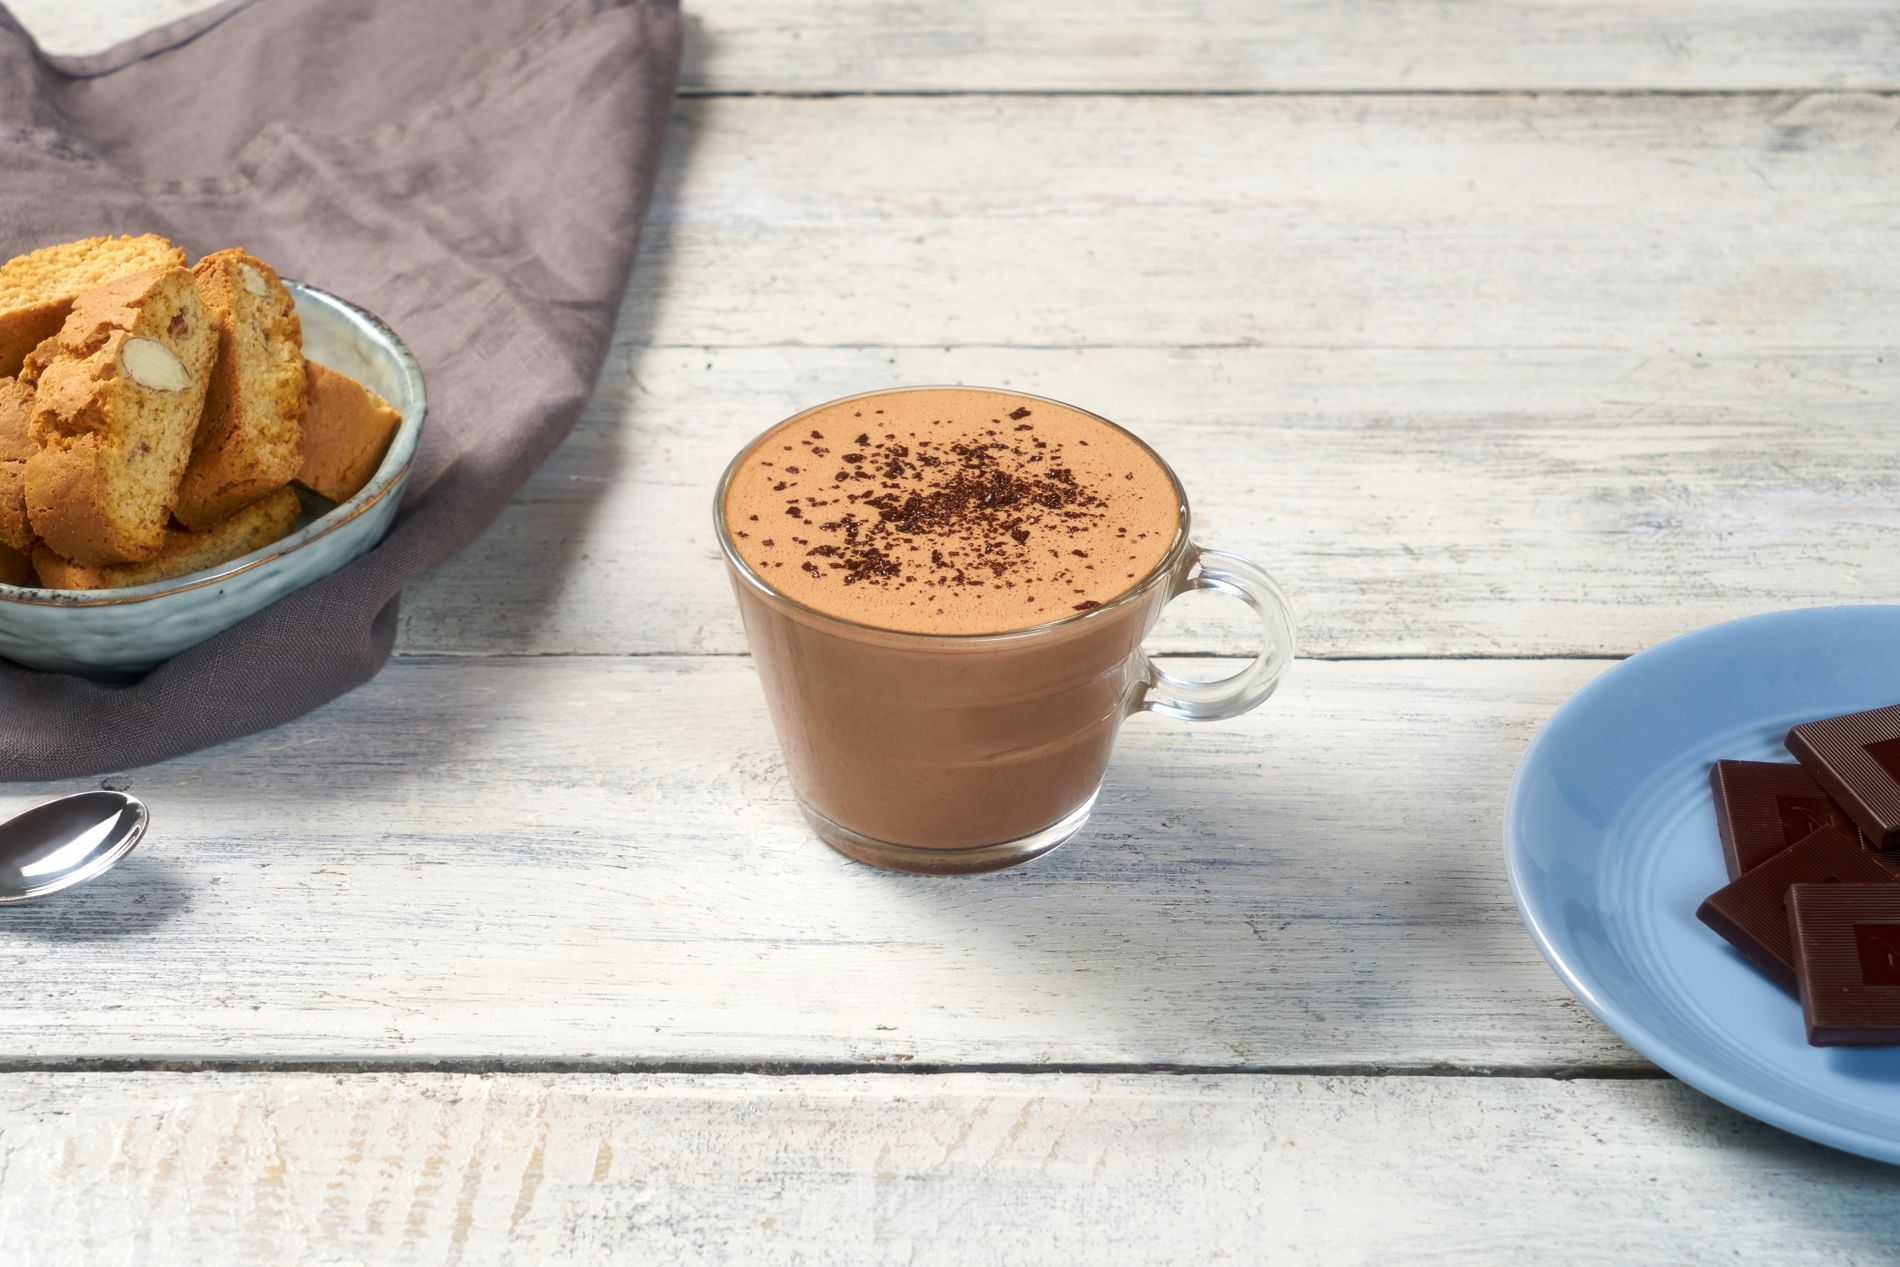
(972, 504)
(947, 503)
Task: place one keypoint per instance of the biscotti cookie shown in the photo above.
(37, 289)
(186, 550)
(345, 433)
(119, 392)
(251, 439)
(16, 446)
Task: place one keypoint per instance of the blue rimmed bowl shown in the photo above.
(114, 633)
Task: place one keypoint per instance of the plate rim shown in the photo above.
(1622, 1022)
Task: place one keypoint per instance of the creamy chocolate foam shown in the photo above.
(951, 511)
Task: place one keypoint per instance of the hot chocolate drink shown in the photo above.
(945, 591)
(951, 511)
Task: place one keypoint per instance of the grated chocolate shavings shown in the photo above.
(985, 511)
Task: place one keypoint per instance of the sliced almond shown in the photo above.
(152, 364)
(253, 281)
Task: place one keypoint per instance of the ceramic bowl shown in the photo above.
(114, 633)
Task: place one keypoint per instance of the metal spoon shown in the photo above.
(63, 843)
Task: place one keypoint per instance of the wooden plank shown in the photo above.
(1220, 45)
(1288, 45)
(159, 1169)
(475, 859)
(1413, 502)
(1679, 224)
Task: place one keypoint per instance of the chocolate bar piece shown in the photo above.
(1762, 807)
(1856, 760)
(1751, 913)
(1847, 961)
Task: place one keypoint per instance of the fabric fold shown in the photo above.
(473, 171)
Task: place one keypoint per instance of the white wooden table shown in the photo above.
(1514, 336)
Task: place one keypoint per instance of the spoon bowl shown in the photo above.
(63, 843)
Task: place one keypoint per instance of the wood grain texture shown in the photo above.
(160, 1169)
(1725, 225)
(1288, 45)
(502, 859)
(1219, 45)
(1413, 502)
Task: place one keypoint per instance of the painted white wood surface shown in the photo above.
(1412, 501)
(1219, 45)
(1054, 1169)
(489, 859)
(1289, 45)
(1719, 225)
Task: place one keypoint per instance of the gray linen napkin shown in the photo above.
(473, 171)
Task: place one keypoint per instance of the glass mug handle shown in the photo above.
(1241, 692)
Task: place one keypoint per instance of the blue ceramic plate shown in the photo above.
(1610, 841)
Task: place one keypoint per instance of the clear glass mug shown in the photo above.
(960, 753)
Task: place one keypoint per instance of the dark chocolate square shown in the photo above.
(1762, 807)
(1886, 755)
(1752, 915)
(1878, 946)
(1856, 760)
(1847, 962)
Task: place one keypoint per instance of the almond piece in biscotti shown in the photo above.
(152, 364)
